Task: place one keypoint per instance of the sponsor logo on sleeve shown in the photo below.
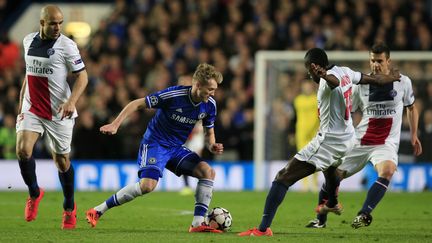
(153, 100)
(76, 62)
(152, 161)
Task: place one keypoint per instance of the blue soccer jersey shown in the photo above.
(177, 115)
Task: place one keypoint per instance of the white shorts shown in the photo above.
(196, 143)
(326, 150)
(360, 155)
(59, 132)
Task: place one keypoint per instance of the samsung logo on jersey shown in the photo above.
(39, 70)
(183, 119)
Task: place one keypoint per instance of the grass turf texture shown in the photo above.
(166, 216)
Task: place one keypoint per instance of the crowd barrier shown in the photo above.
(238, 176)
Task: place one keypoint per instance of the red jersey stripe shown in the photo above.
(377, 132)
(39, 96)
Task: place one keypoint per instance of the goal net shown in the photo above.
(277, 78)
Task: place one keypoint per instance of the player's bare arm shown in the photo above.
(413, 118)
(130, 108)
(381, 79)
(210, 142)
(67, 109)
(320, 72)
(23, 87)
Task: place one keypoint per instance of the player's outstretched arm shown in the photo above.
(413, 118)
(134, 105)
(381, 79)
(210, 142)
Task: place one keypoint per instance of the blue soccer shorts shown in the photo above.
(154, 158)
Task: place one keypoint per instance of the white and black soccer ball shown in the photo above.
(220, 218)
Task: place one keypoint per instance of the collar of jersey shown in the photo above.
(190, 98)
(46, 40)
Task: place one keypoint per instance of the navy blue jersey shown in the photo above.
(177, 115)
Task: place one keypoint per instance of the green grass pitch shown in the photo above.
(166, 216)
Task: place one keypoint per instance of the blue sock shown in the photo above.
(28, 172)
(375, 194)
(112, 201)
(274, 198)
(322, 198)
(67, 183)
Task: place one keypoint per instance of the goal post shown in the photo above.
(269, 65)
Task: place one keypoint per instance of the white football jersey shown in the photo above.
(334, 105)
(382, 109)
(47, 65)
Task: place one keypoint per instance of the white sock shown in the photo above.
(124, 195)
(203, 196)
(197, 221)
(102, 208)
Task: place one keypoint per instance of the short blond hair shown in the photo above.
(204, 72)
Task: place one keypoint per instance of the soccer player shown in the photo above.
(378, 135)
(335, 135)
(179, 109)
(47, 104)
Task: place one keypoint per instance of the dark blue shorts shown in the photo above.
(154, 158)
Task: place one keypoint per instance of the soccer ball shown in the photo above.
(220, 218)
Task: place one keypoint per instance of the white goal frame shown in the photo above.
(261, 59)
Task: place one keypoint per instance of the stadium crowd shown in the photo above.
(146, 45)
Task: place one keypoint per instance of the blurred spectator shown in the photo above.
(9, 52)
(426, 136)
(86, 144)
(227, 135)
(8, 138)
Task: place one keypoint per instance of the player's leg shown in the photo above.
(316, 156)
(287, 176)
(204, 191)
(60, 138)
(66, 176)
(385, 171)
(384, 158)
(186, 181)
(29, 130)
(354, 162)
(128, 193)
(151, 160)
(24, 150)
(376, 192)
(333, 177)
(187, 162)
(124, 195)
